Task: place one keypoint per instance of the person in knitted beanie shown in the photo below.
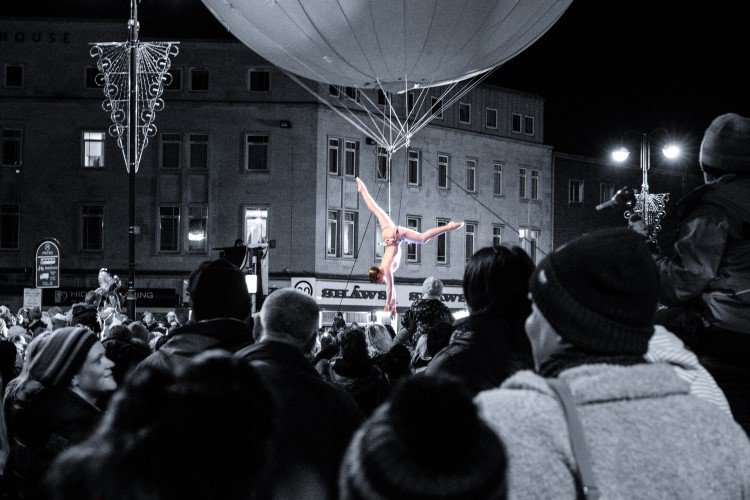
(426, 443)
(57, 401)
(647, 436)
(705, 275)
(600, 294)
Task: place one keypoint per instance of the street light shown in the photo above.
(650, 206)
(133, 74)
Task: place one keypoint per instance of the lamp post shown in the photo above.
(133, 75)
(650, 206)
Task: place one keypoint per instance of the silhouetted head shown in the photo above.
(496, 281)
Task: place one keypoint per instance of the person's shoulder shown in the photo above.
(523, 395)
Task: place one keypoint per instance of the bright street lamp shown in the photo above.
(649, 206)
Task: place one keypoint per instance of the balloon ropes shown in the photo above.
(398, 63)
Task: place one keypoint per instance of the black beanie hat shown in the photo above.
(427, 442)
(218, 290)
(600, 291)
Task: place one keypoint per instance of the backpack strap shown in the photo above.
(578, 444)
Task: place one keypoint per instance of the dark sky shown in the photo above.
(607, 66)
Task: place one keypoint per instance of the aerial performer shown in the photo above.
(393, 235)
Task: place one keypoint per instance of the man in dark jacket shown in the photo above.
(706, 277)
(315, 420)
(221, 307)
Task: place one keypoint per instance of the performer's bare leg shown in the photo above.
(412, 236)
(382, 216)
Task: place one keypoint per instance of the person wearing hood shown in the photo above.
(354, 371)
(705, 278)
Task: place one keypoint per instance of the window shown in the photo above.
(443, 171)
(198, 79)
(535, 184)
(522, 183)
(257, 153)
(352, 93)
(409, 102)
(10, 222)
(176, 82)
(332, 234)
(437, 107)
(497, 235)
(92, 227)
(198, 151)
(171, 145)
(351, 157)
(382, 101)
(256, 225)
(197, 225)
(415, 167)
(349, 235)
(491, 118)
(333, 156)
(94, 79)
(529, 125)
(471, 175)
(259, 80)
(413, 251)
(442, 243)
(93, 149)
(497, 179)
(334, 91)
(10, 148)
(528, 241)
(471, 232)
(516, 125)
(606, 192)
(575, 191)
(169, 229)
(382, 164)
(14, 75)
(464, 112)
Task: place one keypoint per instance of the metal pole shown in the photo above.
(645, 154)
(132, 152)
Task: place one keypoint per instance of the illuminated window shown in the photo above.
(197, 229)
(93, 149)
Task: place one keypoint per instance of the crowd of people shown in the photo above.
(577, 377)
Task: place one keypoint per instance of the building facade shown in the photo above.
(243, 152)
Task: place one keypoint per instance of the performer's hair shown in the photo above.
(373, 273)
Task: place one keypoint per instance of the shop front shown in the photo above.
(363, 302)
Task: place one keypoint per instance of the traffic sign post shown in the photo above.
(48, 264)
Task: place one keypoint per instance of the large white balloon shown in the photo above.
(397, 43)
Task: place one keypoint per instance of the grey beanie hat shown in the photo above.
(432, 288)
(726, 145)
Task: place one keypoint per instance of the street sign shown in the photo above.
(48, 265)
(32, 297)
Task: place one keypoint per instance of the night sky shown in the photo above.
(606, 67)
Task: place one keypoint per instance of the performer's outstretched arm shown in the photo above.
(390, 292)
